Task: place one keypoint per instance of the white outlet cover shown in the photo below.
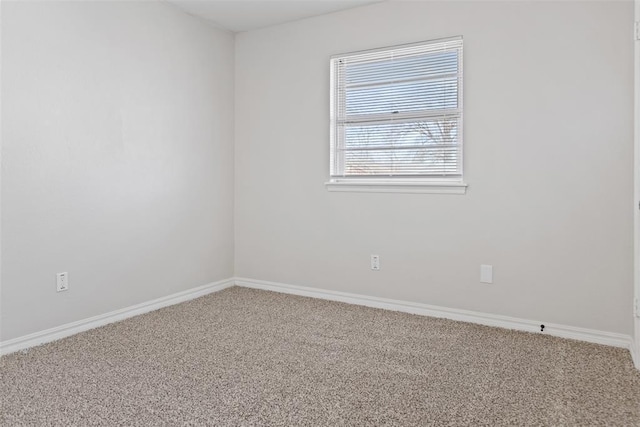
(62, 281)
(375, 262)
(486, 273)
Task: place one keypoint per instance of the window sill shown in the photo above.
(396, 186)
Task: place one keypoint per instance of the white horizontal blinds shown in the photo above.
(397, 112)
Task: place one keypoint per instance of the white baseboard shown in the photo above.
(563, 331)
(571, 332)
(73, 328)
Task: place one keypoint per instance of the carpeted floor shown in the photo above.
(248, 357)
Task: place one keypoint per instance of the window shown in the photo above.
(396, 119)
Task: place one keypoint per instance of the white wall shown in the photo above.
(117, 157)
(548, 158)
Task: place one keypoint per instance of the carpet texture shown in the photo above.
(249, 357)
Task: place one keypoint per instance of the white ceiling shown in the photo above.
(245, 15)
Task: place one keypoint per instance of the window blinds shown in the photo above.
(398, 112)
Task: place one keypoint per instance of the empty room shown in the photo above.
(320, 212)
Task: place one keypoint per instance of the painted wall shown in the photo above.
(117, 157)
(548, 159)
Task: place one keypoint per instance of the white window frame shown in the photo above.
(384, 184)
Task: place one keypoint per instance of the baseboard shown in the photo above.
(526, 325)
(563, 331)
(73, 328)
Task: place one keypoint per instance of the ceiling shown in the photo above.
(245, 15)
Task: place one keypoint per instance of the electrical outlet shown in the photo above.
(636, 307)
(375, 262)
(62, 281)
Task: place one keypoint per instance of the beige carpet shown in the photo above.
(247, 357)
